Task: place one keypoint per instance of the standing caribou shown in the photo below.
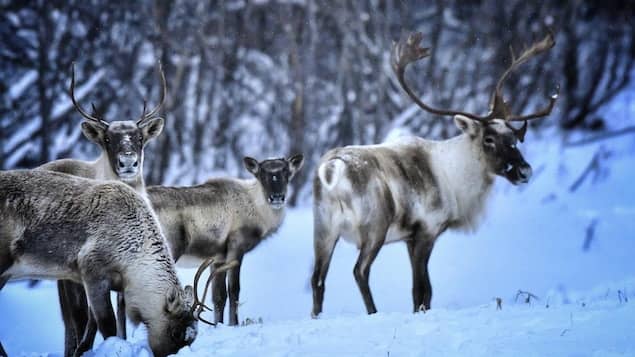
(224, 219)
(415, 189)
(103, 236)
(122, 146)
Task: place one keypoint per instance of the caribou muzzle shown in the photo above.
(518, 173)
(127, 165)
(276, 200)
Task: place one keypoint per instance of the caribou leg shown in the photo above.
(98, 292)
(419, 251)
(121, 316)
(324, 243)
(371, 243)
(74, 308)
(89, 336)
(5, 264)
(219, 295)
(233, 283)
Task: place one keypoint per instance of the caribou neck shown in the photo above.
(262, 207)
(463, 167)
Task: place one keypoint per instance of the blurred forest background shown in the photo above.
(270, 78)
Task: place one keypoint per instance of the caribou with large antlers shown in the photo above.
(122, 146)
(415, 189)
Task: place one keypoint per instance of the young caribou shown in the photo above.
(122, 146)
(225, 218)
(103, 236)
(415, 189)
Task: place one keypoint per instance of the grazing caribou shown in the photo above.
(415, 189)
(122, 144)
(102, 235)
(225, 218)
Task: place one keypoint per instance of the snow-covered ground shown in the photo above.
(531, 239)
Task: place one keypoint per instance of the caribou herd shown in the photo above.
(95, 227)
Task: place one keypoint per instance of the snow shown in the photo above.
(532, 239)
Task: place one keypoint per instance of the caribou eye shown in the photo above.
(489, 140)
(107, 140)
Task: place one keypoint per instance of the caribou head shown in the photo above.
(493, 132)
(177, 327)
(122, 141)
(274, 176)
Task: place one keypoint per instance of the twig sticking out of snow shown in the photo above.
(394, 337)
(499, 303)
(249, 321)
(528, 296)
(564, 331)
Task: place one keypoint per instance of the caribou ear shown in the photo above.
(188, 296)
(251, 164)
(520, 133)
(469, 126)
(93, 132)
(172, 300)
(151, 129)
(295, 163)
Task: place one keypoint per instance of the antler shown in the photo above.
(498, 106)
(199, 306)
(153, 113)
(81, 111)
(408, 50)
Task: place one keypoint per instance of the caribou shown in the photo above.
(102, 235)
(415, 189)
(223, 219)
(122, 144)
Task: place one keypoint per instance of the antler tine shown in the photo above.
(152, 113)
(199, 305)
(498, 106)
(76, 104)
(546, 110)
(406, 51)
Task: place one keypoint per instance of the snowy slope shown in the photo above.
(531, 239)
(477, 331)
